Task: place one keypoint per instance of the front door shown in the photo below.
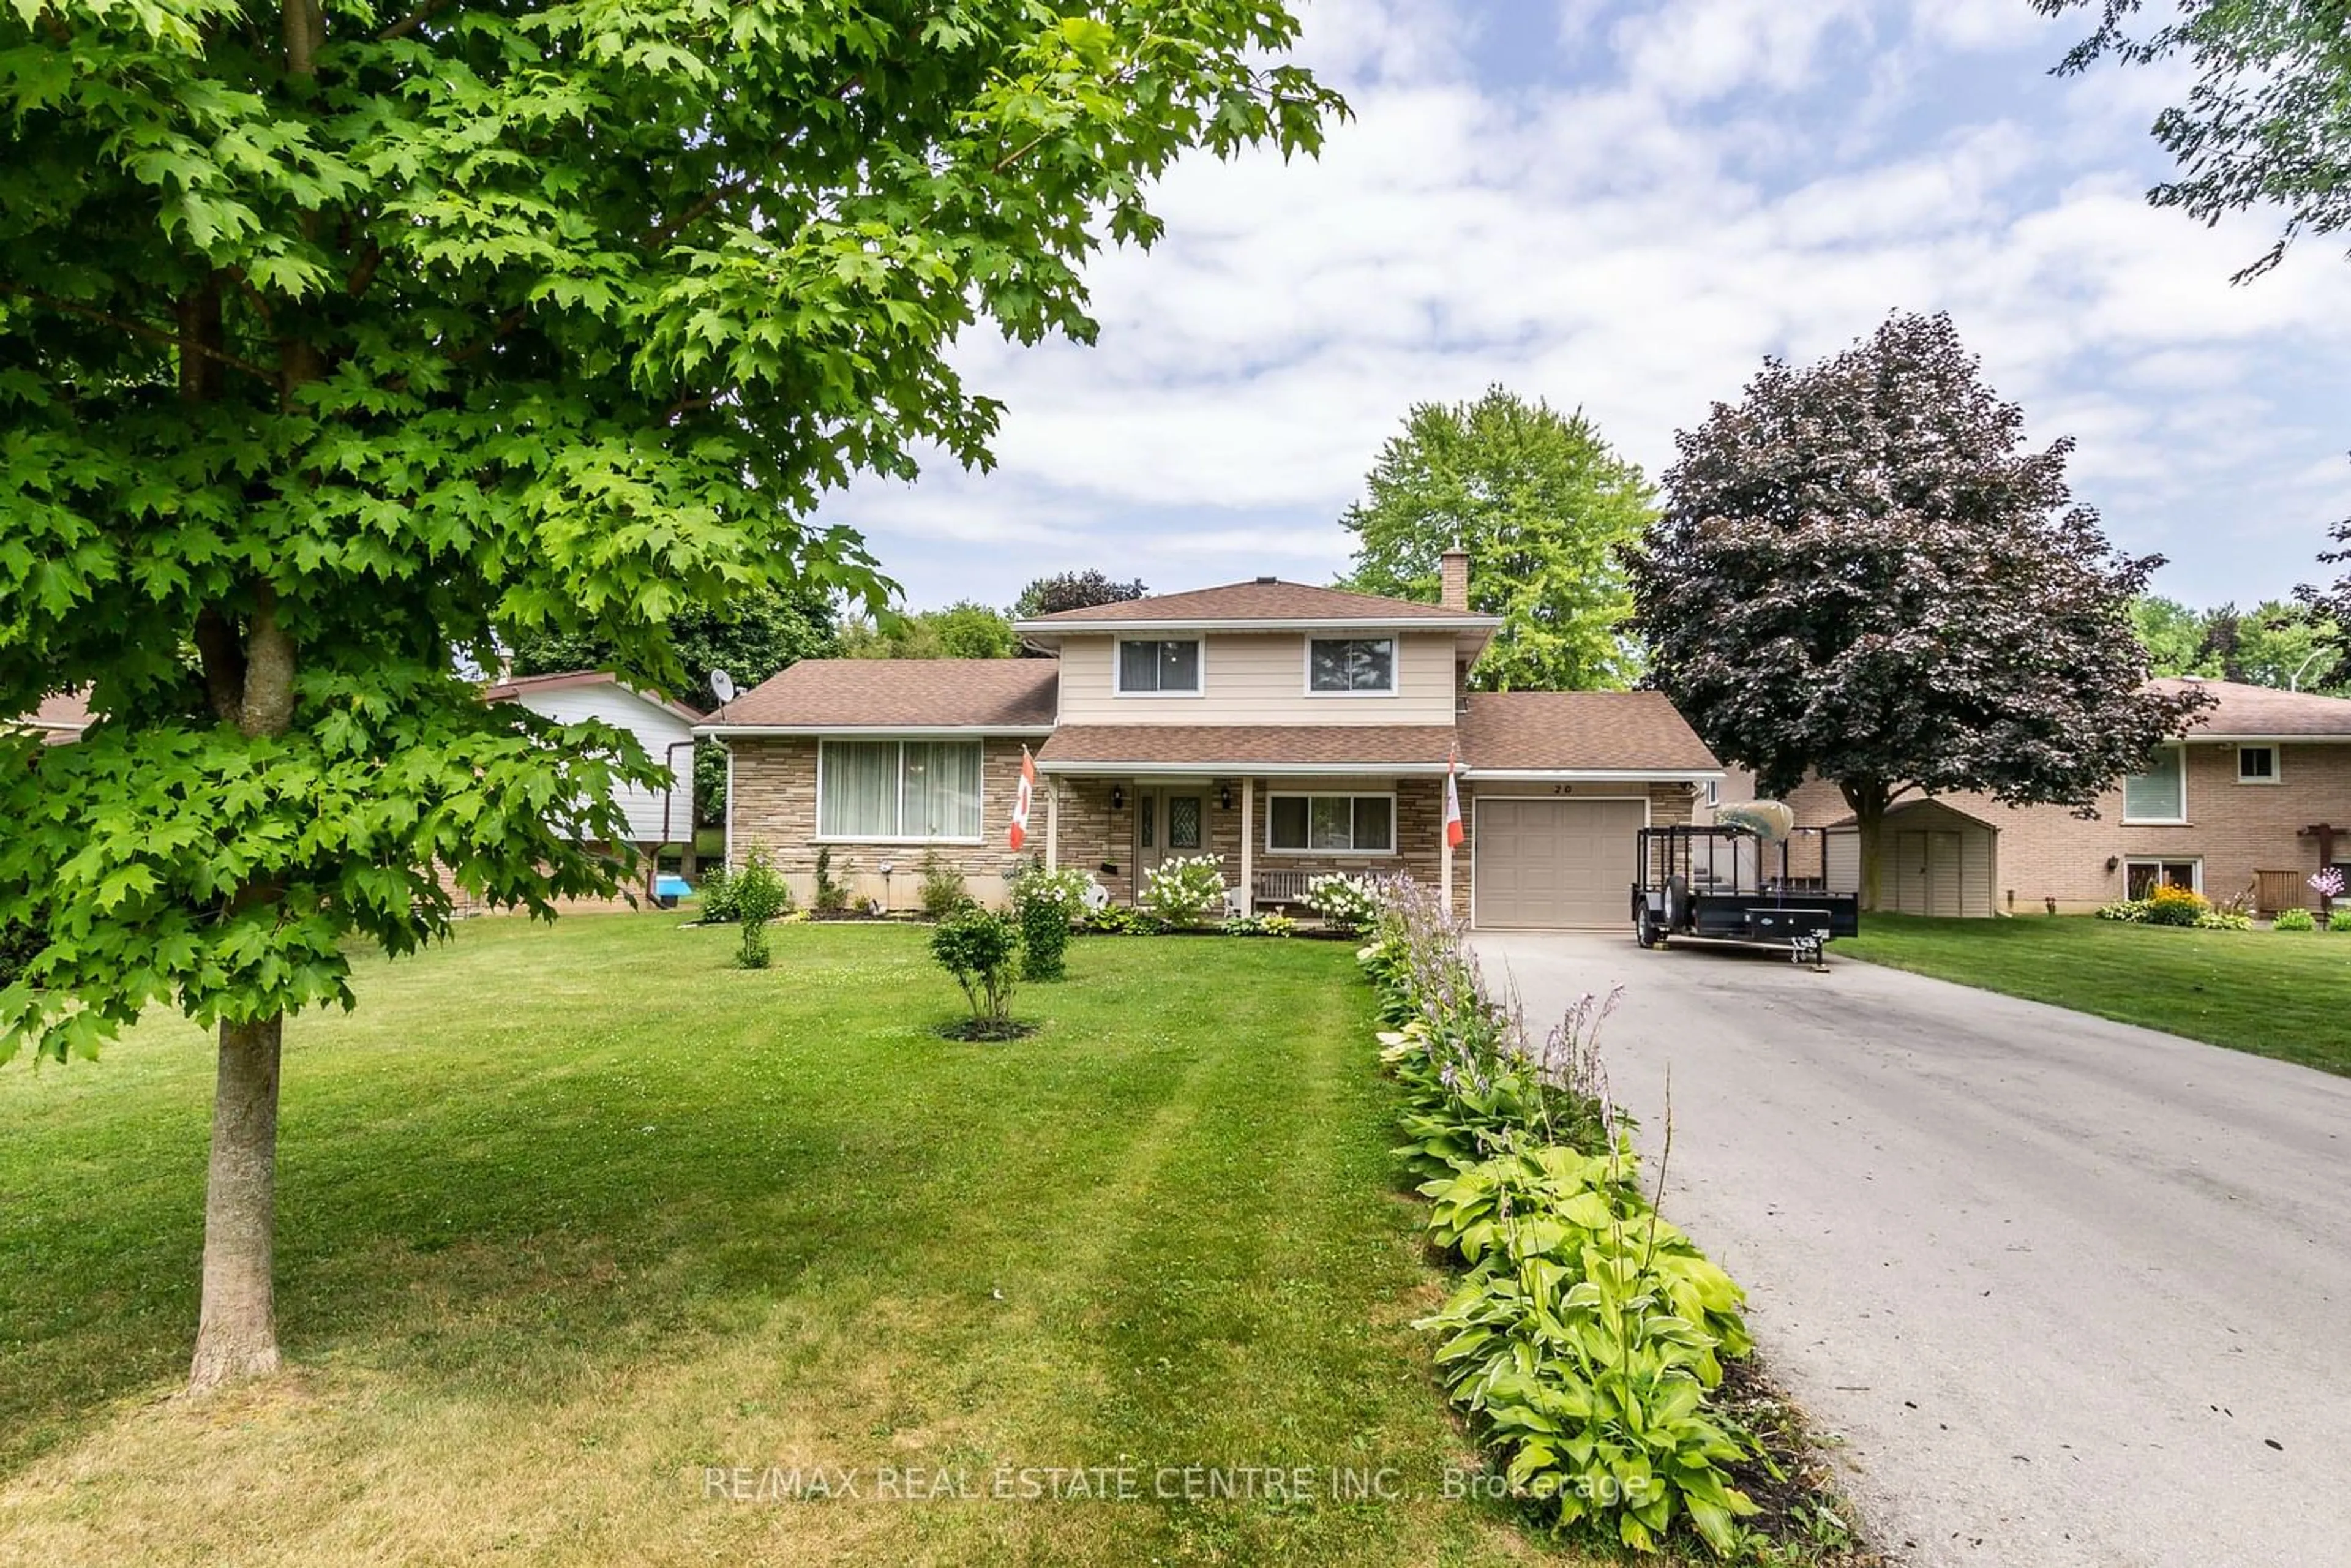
(1169, 824)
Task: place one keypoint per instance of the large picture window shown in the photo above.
(908, 789)
(1168, 667)
(1331, 824)
(2160, 794)
(1351, 665)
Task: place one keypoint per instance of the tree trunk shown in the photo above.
(1868, 800)
(237, 1335)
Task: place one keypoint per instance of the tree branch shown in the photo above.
(413, 20)
(138, 329)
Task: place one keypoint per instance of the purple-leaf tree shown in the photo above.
(1864, 573)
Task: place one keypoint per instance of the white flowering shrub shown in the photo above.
(1182, 892)
(1348, 903)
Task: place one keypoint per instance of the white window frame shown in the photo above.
(1396, 662)
(2196, 863)
(2277, 763)
(901, 742)
(1118, 666)
(2180, 751)
(1396, 827)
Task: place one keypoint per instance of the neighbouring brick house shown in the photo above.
(1285, 730)
(2245, 806)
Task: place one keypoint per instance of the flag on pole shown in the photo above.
(1453, 833)
(1020, 802)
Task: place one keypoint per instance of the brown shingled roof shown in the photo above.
(1338, 745)
(901, 694)
(65, 715)
(1267, 599)
(1580, 731)
(2262, 713)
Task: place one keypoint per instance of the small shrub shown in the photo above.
(1119, 920)
(2224, 920)
(1046, 903)
(1348, 903)
(2339, 921)
(1182, 892)
(1276, 925)
(717, 898)
(832, 897)
(759, 896)
(2169, 906)
(2296, 920)
(981, 948)
(944, 891)
(2131, 909)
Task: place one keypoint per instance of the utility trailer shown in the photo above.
(1737, 883)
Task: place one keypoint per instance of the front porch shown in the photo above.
(1270, 833)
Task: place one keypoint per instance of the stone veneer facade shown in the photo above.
(772, 795)
(774, 791)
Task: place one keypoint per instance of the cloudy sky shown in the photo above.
(1625, 205)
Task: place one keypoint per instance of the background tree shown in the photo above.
(964, 630)
(2267, 121)
(2174, 636)
(337, 338)
(1074, 591)
(1540, 503)
(2277, 642)
(1860, 573)
(751, 636)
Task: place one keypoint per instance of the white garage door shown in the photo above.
(1555, 863)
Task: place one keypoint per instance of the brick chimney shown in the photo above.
(1453, 580)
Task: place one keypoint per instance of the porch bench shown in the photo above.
(1280, 888)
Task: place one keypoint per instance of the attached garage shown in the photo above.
(1541, 862)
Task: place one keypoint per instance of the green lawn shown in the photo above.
(2282, 994)
(569, 1215)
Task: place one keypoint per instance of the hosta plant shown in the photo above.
(2295, 920)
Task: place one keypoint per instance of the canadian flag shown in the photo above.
(1021, 801)
(1453, 833)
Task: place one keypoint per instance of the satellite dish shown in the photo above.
(722, 686)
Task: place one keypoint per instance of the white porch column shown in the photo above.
(1249, 847)
(1052, 824)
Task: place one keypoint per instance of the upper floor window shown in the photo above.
(2257, 765)
(1350, 664)
(1169, 668)
(2160, 794)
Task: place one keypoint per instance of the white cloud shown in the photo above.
(1635, 244)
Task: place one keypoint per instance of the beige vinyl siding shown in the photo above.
(1260, 677)
(1936, 862)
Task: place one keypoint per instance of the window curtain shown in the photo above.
(859, 799)
(942, 785)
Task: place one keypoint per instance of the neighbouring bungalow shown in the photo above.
(658, 819)
(1287, 731)
(2245, 806)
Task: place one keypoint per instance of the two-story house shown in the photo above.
(1286, 729)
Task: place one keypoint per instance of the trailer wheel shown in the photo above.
(1645, 933)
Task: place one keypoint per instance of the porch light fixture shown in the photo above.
(1117, 798)
(2111, 862)
(1224, 796)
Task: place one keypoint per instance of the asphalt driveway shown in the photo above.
(2070, 1292)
